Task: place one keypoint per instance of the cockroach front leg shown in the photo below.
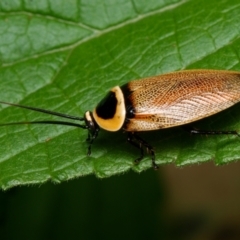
(139, 143)
(91, 137)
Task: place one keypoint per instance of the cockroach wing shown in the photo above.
(179, 98)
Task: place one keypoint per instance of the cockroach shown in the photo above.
(164, 101)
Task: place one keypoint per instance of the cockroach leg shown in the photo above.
(193, 130)
(91, 137)
(130, 139)
(139, 143)
(88, 137)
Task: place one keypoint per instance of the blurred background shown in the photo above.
(192, 202)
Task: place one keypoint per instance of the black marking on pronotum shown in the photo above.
(106, 109)
(164, 101)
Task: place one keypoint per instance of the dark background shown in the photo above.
(192, 202)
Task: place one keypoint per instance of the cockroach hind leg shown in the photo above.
(155, 166)
(139, 143)
(151, 151)
(193, 130)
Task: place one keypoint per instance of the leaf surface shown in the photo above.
(65, 57)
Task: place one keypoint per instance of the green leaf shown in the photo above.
(65, 56)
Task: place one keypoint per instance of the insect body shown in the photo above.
(154, 103)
